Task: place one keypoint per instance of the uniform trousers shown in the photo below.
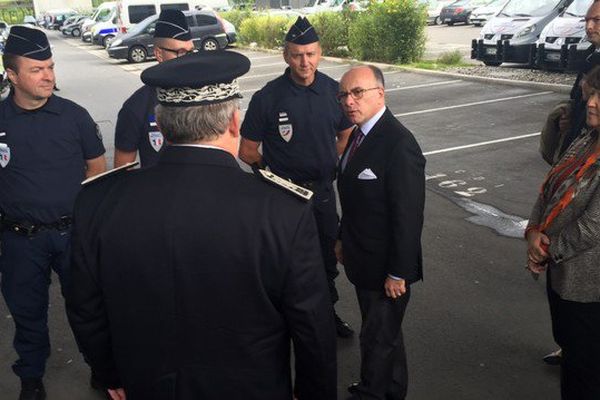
(324, 208)
(25, 268)
(383, 369)
(576, 329)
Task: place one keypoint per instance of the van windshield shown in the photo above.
(104, 15)
(529, 8)
(578, 8)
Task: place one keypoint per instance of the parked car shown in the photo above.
(460, 11)
(481, 15)
(512, 34)
(74, 28)
(30, 20)
(563, 44)
(434, 8)
(230, 31)
(137, 45)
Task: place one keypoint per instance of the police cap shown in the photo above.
(28, 42)
(171, 24)
(198, 78)
(302, 32)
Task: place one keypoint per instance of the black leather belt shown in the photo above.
(26, 228)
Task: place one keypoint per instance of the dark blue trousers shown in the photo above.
(25, 268)
(325, 212)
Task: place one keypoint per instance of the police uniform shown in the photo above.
(43, 155)
(136, 128)
(297, 126)
(199, 297)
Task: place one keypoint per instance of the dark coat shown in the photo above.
(190, 278)
(382, 218)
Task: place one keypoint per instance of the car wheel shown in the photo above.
(210, 45)
(76, 32)
(492, 63)
(468, 21)
(436, 21)
(477, 24)
(450, 23)
(137, 54)
(106, 40)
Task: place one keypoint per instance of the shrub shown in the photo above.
(268, 31)
(236, 16)
(450, 58)
(332, 28)
(390, 31)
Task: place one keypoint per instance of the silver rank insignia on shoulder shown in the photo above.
(108, 173)
(299, 191)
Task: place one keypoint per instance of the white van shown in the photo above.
(105, 12)
(511, 35)
(562, 44)
(133, 11)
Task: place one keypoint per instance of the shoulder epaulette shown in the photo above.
(297, 190)
(111, 172)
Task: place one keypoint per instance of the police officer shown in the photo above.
(200, 305)
(136, 129)
(303, 131)
(48, 146)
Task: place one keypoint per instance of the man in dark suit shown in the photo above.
(381, 184)
(191, 277)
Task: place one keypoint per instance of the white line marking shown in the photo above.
(468, 146)
(423, 85)
(264, 57)
(282, 64)
(472, 104)
(279, 72)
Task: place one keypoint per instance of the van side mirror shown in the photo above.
(151, 30)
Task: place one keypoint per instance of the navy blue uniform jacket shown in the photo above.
(190, 278)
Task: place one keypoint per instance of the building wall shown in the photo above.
(41, 6)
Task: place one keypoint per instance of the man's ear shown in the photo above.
(234, 124)
(157, 54)
(11, 75)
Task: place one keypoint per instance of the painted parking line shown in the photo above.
(281, 64)
(477, 103)
(424, 85)
(387, 90)
(279, 72)
(261, 57)
(486, 143)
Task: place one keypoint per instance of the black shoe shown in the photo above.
(343, 329)
(352, 387)
(554, 358)
(32, 389)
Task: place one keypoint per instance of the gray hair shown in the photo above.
(378, 75)
(195, 123)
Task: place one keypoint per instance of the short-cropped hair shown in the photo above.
(195, 123)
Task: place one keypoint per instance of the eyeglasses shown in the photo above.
(356, 93)
(178, 53)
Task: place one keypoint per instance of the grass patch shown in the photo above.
(435, 65)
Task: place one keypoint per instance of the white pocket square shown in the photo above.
(367, 175)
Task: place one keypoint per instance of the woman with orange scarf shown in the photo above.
(563, 237)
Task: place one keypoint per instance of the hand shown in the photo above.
(535, 268)
(394, 288)
(117, 394)
(338, 251)
(564, 122)
(537, 247)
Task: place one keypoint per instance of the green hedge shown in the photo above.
(267, 31)
(391, 31)
(14, 15)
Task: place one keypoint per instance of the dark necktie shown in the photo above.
(358, 138)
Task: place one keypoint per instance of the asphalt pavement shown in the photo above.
(477, 326)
